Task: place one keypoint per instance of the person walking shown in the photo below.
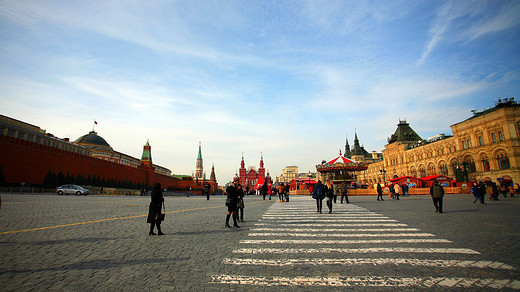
(207, 190)
(335, 188)
(437, 192)
(154, 210)
(240, 204)
(233, 195)
(280, 192)
(318, 193)
(329, 194)
(343, 187)
(405, 190)
(392, 191)
(379, 190)
(476, 192)
(397, 190)
(264, 190)
(482, 192)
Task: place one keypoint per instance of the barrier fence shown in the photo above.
(386, 191)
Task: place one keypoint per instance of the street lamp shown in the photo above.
(383, 172)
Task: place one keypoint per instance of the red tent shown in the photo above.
(443, 180)
(411, 181)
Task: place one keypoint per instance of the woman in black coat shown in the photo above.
(155, 209)
(233, 196)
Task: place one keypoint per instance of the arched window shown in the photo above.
(470, 164)
(413, 172)
(443, 168)
(422, 172)
(503, 161)
(485, 163)
(431, 169)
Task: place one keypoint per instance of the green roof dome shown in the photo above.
(92, 140)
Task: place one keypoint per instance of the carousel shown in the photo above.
(341, 169)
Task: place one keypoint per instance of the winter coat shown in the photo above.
(155, 205)
(318, 192)
(329, 192)
(437, 191)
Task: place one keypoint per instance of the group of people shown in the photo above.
(329, 192)
(235, 203)
(480, 189)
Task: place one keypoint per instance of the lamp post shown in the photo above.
(383, 172)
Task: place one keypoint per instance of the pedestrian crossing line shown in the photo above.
(336, 229)
(369, 219)
(370, 261)
(344, 234)
(365, 241)
(369, 281)
(330, 225)
(300, 214)
(434, 250)
(328, 216)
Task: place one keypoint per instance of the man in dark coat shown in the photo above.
(318, 193)
(206, 190)
(264, 189)
(437, 192)
(379, 191)
(233, 196)
(155, 209)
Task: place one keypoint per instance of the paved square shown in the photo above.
(101, 243)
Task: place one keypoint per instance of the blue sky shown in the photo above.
(286, 78)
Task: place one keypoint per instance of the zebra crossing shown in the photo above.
(292, 246)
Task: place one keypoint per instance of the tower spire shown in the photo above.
(199, 169)
(146, 158)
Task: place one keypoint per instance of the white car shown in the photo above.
(72, 189)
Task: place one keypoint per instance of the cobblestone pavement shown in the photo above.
(101, 243)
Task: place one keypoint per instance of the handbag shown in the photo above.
(160, 216)
(228, 201)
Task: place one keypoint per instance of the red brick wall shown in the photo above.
(29, 162)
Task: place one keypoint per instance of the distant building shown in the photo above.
(250, 179)
(288, 174)
(483, 147)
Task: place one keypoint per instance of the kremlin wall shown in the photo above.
(30, 156)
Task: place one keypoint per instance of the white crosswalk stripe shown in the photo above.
(292, 235)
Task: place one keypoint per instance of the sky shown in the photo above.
(288, 80)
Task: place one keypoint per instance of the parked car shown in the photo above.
(72, 189)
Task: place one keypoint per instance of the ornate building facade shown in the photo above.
(484, 147)
(250, 179)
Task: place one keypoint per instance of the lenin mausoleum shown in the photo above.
(31, 156)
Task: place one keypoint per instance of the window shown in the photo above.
(500, 136)
(422, 172)
(481, 141)
(494, 137)
(469, 143)
(485, 163)
(470, 165)
(503, 161)
(444, 169)
(463, 144)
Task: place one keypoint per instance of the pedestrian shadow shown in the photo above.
(196, 232)
(62, 241)
(95, 265)
(462, 211)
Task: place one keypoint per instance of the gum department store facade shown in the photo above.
(484, 147)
